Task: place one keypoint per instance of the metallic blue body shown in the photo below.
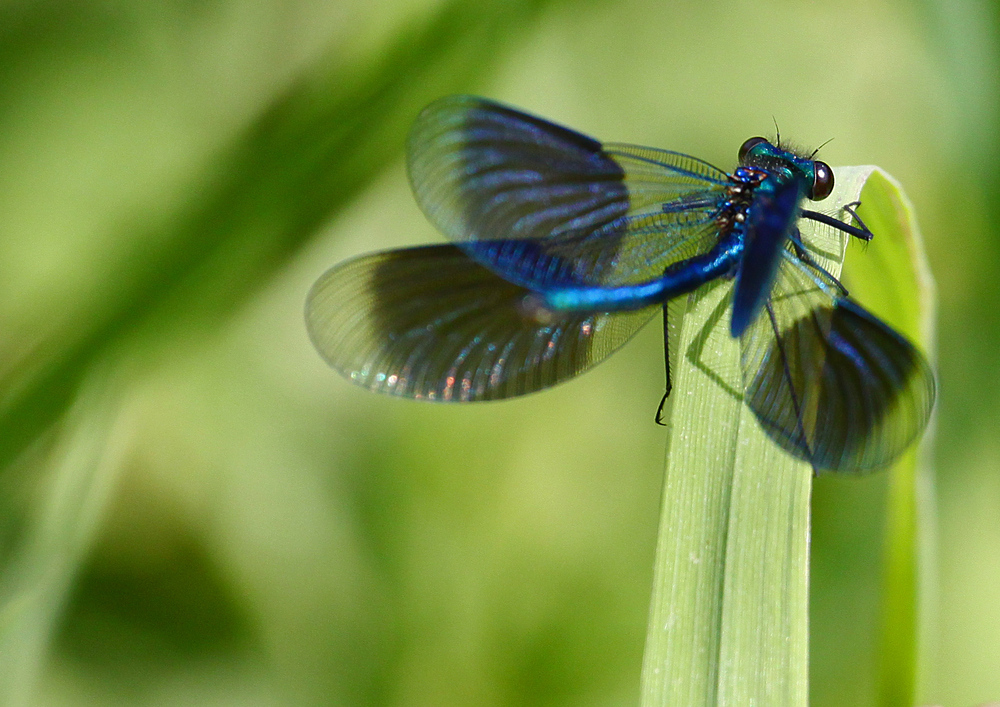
(677, 280)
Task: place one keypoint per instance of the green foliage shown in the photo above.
(194, 510)
(895, 278)
(729, 617)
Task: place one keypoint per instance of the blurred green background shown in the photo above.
(195, 510)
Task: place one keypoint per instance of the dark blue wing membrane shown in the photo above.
(429, 323)
(829, 381)
(771, 220)
(529, 198)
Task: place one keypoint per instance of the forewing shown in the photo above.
(771, 220)
(430, 323)
(546, 206)
(829, 381)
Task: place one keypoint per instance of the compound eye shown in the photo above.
(749, 145)
(822, 181)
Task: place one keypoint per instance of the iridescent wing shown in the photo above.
(771, 219)
(545, 206)
(430, 323)
(829, 381)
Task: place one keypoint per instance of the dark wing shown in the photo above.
(770, 222)
(430, 323)
(545, 206)
(830, 382)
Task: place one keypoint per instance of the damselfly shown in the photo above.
(563, 247)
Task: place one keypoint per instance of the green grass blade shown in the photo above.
(78, 480)
(729, 613)
(893, 279)
(306, 157)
